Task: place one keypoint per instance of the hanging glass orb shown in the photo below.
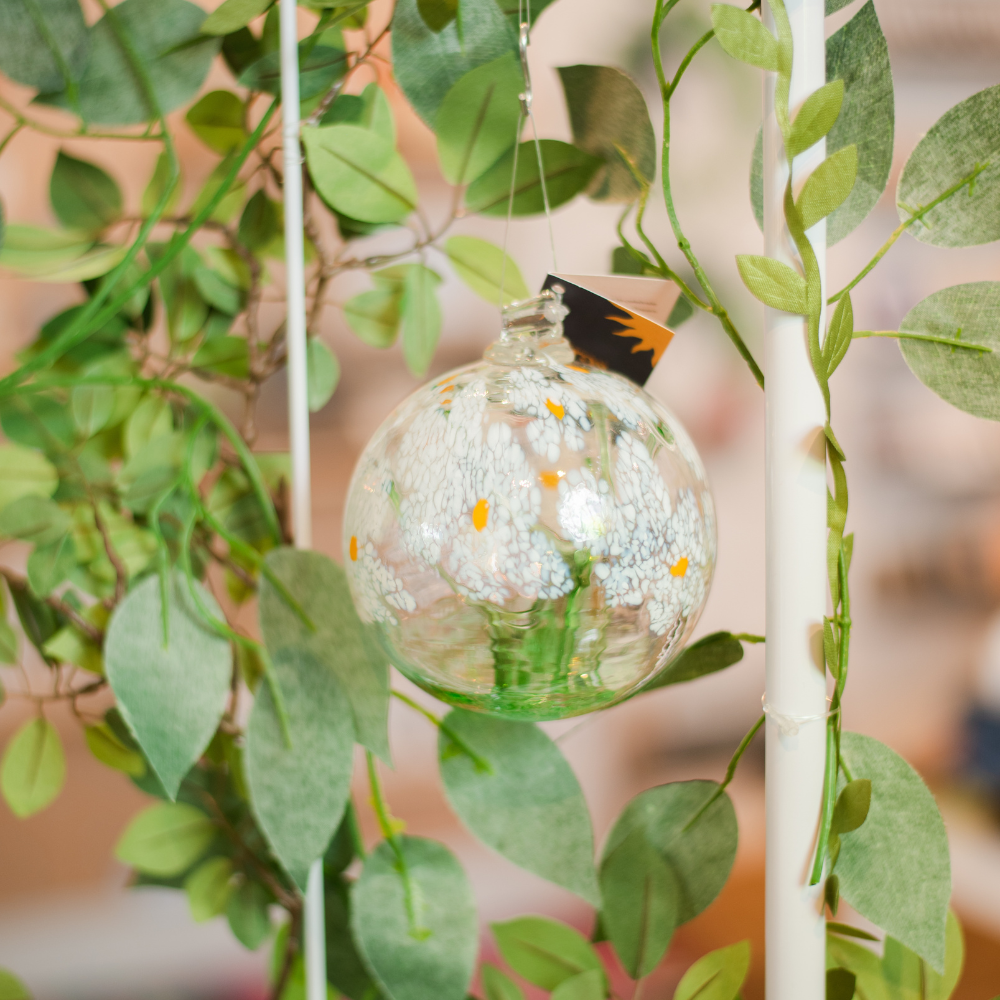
(531, 536)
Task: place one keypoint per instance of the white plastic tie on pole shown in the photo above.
(789, 725)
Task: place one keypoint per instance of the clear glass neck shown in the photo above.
(531, 330)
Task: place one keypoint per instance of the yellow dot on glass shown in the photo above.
(479, 514)
(556, 409)
(354, 548)
(680, 567)
(550, 479)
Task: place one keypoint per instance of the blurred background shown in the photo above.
(925, 507)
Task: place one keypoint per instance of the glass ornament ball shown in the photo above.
(530, 536)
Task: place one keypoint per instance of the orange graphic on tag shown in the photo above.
(651, 335)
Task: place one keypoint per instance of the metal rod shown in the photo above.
(795, 503)
(298, 413)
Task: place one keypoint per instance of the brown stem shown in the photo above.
(91, 631)
(121, 573)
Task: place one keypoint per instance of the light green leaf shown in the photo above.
(420, 312)
(609, 118)
(528, 806)
(863, 963)
(828, 186)
(91, 406)
(34, 519)
(24, 472)
(33, 769)
(246, 911)
(543, 951)
(208, 888)
(497, 986)
(323, 372)
(427, 63)
(218, 291)
(374, 316)
(589, 985)
(56, 256)
(8, 646)
(425, 950)
(908, 977)
(172, 695)
(152, 418)
(839, 335)
(83, 196)
(437, 14)
(340, 641)
(481, 266)
(816, 116)
(224, 355)
(962, 140)
(165, 839)
(744, 37)
(50, 564)
(359, 173)
(233, 15)
(26, 53)
(370, 109)
(299, 793)
(640, 896)
(37, 420)
(231, 202)
(567, 171)
(895, 870)
(11, 988)
(110, 750)
(69, 645)
(479, 119)
(709, 654)
(702, 856)
(217, 119)
(318, 71)
(967, 379)
(717, 976)
(156, 186)
(775, 284)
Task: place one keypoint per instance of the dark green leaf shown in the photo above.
(702, 856)
(567, 171)
(246, 911)
(166, 839)
(775, 284)
(232, 15)
(839, 984)
(744, 37)
(909, 977)
(422, 944)
(640, 897)
(83, 196)
(481, 266)
(241, 49)
(217, 119)
(717, 976)
(832, 6)
(963, 139)
(172, 695)
(259, 223)
(967, 379)
(848, 931)
(543, 951)
(895, 870)
(33, 769)
(323, 372)
(863, 963)
(527, 805)
(299, 792)
(497, 986)
(852, 806)
(420, 314)
(39, 621)
(828, 186)
(714, 652)
(428, 63)
(344, 968)
(340, 641)
(26, 53)
(831, 893)
(610, 119)
(624, 261)
(437, 14)
(816, 117)
(318, 71)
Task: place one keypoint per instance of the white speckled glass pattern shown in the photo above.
(530, 536)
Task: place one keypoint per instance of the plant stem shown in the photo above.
(481, 763)
(829, 799)
(930, 337)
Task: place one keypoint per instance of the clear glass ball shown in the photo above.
(531, 536)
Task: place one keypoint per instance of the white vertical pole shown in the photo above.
(796, 564)
(298, 412)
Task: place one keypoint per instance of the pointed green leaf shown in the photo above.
(260, 222)
(717, 976)
(33, 769)
(908, 977)
(839, 336)
(246, 911)
(323, 372)
(709, 654)
(344, 968)
(232, 15)
(840, 984)
(589, 985)
(320, 67)
(91, 406)
(521, 798)
(744, 37)
(421, 317)
(497, 986)
(775, 284)
(110, 750)
(374, 316)
(863, 963)
(172, 696)
(83, 196)
(370, 109)
(545, 952)
(208, 888)
(852, 806)
(816, 117)
(224, 355)
(166, 839)
(828, 186)
(481, 266)
(217, 119)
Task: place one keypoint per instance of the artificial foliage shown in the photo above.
(136, 496)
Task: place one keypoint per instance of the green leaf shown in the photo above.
(224, 355)
(8, 646)
(11, 988)
(863, 963)
(437, 14)
(34, 519)
(701, 857)
(49, 565)
(370, 109)
(208, 888)
(318, 71)
(218, 291)
(233, 15)
(640, 897)
(967, 379)
(775, 284)
(165, 839)
(231, 202)
(744, 37)
(609, 118)
(852, 805)
(420, 945)
(246, 911)
(260, 222)
(832, 6)
(33, 769)
(217, 119)
(56, 255)
(91, 406)
(479, 118)
(299, 792)
(39, 621)
(26, 48)
(110, 91)
(24, 472)
(909, 978)
(623, 261)
(157, 185)
(481, 266)
(961, 140)
(717, 976)
(186, 309)
(895, 870)
(69, 645)
(374, 316)
(543, 951)
(340, 641)
(427, 63)
(420, 313)
(497, 986)
(527, 805)
(839, 336)
(840, 984)
(589, 985)
(83, 196)
(828, 186)
(323, 373)
(37, 420)
(567, 171)
(110, 750)
(709, 654)
(171, 695)
(344, 967)
(816, 117)
(359, 173)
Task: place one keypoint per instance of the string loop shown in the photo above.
(789, 725)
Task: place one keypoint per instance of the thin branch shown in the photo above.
(91, 631)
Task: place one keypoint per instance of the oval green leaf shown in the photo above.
(208, 888)
(323, 373)
(217, 119)
(26, 47)
(544, 951)
(83, 196)
(25, 472)
(482, 267)
(33, 769)
(166, 839)
(420, 312)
